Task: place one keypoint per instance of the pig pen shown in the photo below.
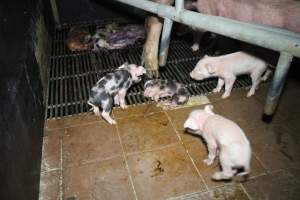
(53, 147)
(72, 74)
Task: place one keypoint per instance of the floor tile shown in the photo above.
(261, 93)
(230, 191)
(288, 103)
(164, 173)
(51, 155)
(198, 152)
(293, 123)
(276, 145)
(90, 143)
(102, 180)
(291, 85)
(141, 110)
(280, 185)
(238, 93)
(271, 158)
(178, 117)
(50, 185)
(241, 111)
(70, 121)
(146, 133)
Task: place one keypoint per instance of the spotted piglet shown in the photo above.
(156, 89)
(223, 137)
(112, 88)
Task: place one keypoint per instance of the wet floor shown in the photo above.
(148, 156)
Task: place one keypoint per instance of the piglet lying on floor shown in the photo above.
(157, 88)
(112, 88)
(79, 39)
(221, 135)
(227, 67)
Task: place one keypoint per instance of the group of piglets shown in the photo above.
(112, 88)
(223, 137)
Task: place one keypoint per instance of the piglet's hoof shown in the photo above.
(216, 90)
(224, 96)
(208, 161)
(250, 94)
(195, 47)
(217, 176)
(124, 106)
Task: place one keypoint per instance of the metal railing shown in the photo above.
(286, 42)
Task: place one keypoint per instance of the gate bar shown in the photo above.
(284, 41)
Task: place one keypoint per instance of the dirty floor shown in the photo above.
(148, 156)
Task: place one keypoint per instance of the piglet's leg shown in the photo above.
(255, 78)
(226, 165)
(195, 46)
(228, 86)
(122, 94)
(107, 117)
(212, 152)
(107, 104)
(96, 110)
(116, 99)
(219, 86)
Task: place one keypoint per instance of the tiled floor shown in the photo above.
(148, 155)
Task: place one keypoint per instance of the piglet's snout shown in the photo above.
(196, 76)
(192, 74)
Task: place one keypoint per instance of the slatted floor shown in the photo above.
(72, 74)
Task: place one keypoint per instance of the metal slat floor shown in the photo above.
(72, 74)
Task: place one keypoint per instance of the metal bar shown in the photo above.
(165, 42)
(179, 5)
(271, 38)
(275, 90)
(166, 35)
(55, 13)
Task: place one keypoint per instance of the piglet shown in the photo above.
(157, 88)
(79, 39)
(112, 88)
(227, 67)
(221, 135)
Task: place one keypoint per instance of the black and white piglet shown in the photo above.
(112, 88)
(158, 88)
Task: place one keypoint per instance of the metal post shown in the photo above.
(275, 89)
(265, 36)
(179, 5)
(55, 13)
(165, 42)
(166, 35)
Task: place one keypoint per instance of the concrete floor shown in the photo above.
(150, 157)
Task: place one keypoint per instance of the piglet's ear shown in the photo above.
(209, 109)
(123, 65)
(191, 123)
(210, 68)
